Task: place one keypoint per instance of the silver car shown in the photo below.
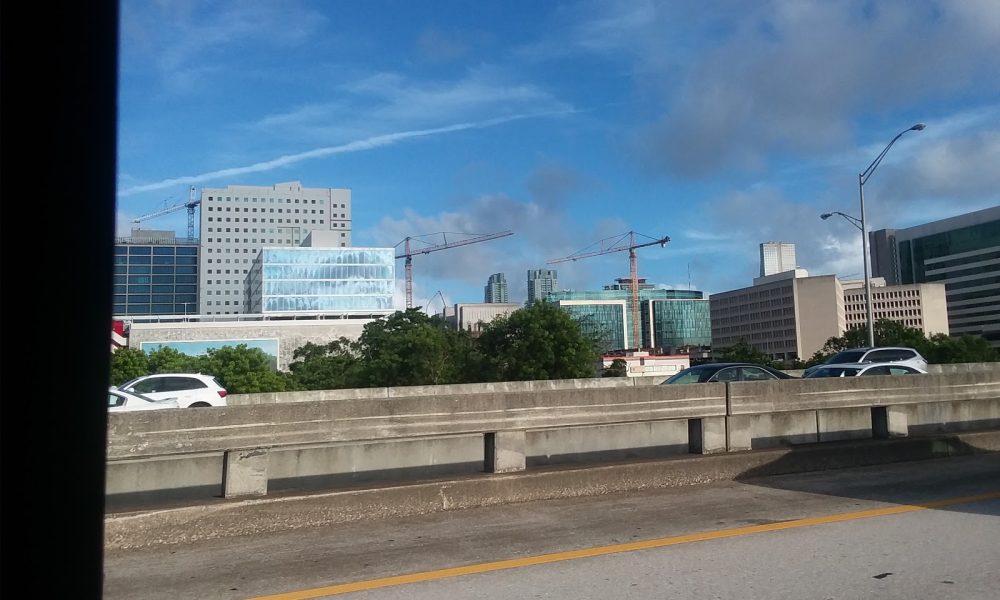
(885, 354)
(862, 370)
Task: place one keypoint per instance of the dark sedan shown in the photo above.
(712, 372)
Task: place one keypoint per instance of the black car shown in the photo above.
(712, 372)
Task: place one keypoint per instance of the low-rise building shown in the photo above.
(473, 317)
(919, 305)
(788, 315)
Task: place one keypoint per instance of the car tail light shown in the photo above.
(222, 393)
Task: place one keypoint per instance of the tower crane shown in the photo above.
(190, 205)
(621, 243)
(409, 251)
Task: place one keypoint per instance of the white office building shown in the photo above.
(922, 306)
(776, 257)
(237, 221)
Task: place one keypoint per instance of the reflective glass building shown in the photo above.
(155, 273)
(669, 319)
(322, 280)
(963, 253)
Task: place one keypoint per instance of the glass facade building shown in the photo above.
(155, 274)
(669, 319)
(322, 280)
(963, 253)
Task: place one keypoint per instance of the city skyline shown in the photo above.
(718, 126)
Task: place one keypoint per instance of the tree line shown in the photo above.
(937, 349)
(537, 342)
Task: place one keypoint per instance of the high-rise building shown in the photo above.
(156, 273)
(541, 282)
(237, 221)
(776, 257)
(962, 253)
(496, 289)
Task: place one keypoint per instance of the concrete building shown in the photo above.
(317, 280)
(472, 317)
(786, 316)
(919, 305)
(237, 221)
(776, 257)
(496, 289)
(540, 283)
(669, 319)
(644, 364)
(961, 252)
(155, 273)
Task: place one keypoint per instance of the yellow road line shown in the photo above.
(542, 559)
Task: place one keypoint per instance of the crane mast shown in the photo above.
(617, 245)
(409, 252)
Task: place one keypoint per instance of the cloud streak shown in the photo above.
(370, 143)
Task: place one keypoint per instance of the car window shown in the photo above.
(179, 384)
(882, 356)
(685, 376)
(727, 374)
(756, 374)
(116, 400)
(149, 386)
(834, 372)
(848, 356)
(902, 370)
(882, 370)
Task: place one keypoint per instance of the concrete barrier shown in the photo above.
(253, 448)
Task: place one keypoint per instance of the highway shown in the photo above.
(912, 530)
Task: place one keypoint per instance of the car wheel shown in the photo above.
(199, 405)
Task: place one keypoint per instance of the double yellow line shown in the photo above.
(543, 559)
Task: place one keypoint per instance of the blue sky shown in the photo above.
(720, 125)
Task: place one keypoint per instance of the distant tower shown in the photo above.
(496, 289)
(776, 257)
(540, 283)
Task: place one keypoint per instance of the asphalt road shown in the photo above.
(915, 530)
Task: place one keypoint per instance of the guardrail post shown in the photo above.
(890, 421)
(504, 451)
(707, 435)
(245, 473)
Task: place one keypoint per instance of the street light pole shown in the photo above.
(862, 179)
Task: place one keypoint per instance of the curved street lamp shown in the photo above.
(853, 220)
(862, 179)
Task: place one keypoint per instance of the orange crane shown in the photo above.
(617, 244)
(191, 203)
(409, 252)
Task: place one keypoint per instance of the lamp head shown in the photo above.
(826, 216)
(918, 127)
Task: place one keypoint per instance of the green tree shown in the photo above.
(618, 368)
(742, 351)
(408, 348)
(169, 360)
(128, 363)
(242, 370)
(966, 348)
(539, 342)
(326, 367)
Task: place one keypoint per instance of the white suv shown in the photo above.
(188, 389)
(888, 354)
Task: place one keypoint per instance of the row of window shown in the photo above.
(156, 289)
(155, 270)
(156, 250)
(305, 211)
(271, 200)
(254, 220)
(156, 260)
